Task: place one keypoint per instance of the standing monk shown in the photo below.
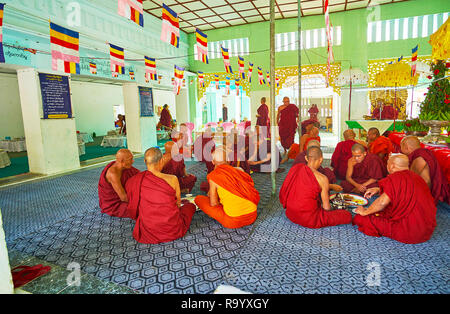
(262, 116)
(287, 119)
(174, 165)
(343, 152)
(305, 195)
(405, 210)
(423, 162)
(112, 196)
(165, 120)
(313, 112)
(363, 171)
(379, 145)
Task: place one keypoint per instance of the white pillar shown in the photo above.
(51, 143)
(141, 131)
(359, 107)
(6, 283)
(182, 105)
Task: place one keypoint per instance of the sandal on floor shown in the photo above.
(25, 274)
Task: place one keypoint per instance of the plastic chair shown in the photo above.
(227, 126)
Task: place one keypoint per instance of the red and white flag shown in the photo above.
(328, 26)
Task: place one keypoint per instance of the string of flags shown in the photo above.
(201, 79)
(241, 67)
(150, 69)
(170, 32)
(328, 26)
(202, 46)
(226, 60)
(133, 10)
(178, 79)
(65, 46)
(2, 55)
(414, 60)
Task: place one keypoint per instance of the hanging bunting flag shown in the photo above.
(132, 74)
(216, 78)
(268, 78)
(328, 26)
(241, 67)
(227, 84)
(117, 60)
(226, 60)
(202, 46)
(150, 69)
(250, 70)
(237, 83)
(414, 60)
(133, 10)
(261, 77)
(93, 68)
(400, 59)
(178, 81)
(2, 55)
(201, 79)
(170, 27)
(184, 83)
(65, 46)
(277, 80)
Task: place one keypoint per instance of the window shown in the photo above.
(236, 47)
(311, 38)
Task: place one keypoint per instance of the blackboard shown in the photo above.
(146, 100)
(55, 92)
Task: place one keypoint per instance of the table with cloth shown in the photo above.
(16, 145)
(4, 159)
(84, 137)
(381, 125)
(114, 141)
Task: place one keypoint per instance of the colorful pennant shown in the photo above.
(170, 27)
(2, 55)
(250, 70)
(241, 67)
(328, 26)
(117, 55)
(414, 52)
(227, 84)
(261, 77)
(178, 81)
(65, 46)
(201, 79)
(150, 69)
(133, 10)
(226, 60)
(132, 75)
(237, 83)
(202, 46)
(216, 78)
(93, 68)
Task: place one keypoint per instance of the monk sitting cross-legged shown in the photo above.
(363, 170)
(312, 134)
(174, 165)
(343, 152)
(232, 198)
(423, 162)
(305, 195)
(155, 203)
(112, 196)
(405, 210)
(379, 145)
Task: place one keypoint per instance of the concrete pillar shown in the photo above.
(6, 283)
(51, 143)
(182, 105)
(359, 107)
(141, 131)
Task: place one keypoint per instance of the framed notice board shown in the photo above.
(55, 92)
(146, 100)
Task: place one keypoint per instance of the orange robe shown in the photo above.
(238, 198)
(382, 145)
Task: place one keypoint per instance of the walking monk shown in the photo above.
(405, 210)
(305, 195)
(379, 145)
(232, 198)
(363, 170)
(262, 116)
(112, 196)
(287, 119)
(174, 164)
(423, 162)
(343, 152)
(155, 203)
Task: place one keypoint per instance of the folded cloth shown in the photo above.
(25, 274)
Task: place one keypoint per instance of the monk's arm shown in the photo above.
(324, 195)
(176, 185)
(378, 205)
(369, 182)
(114, 179)
(302, 143)
(349, 174)
(213, 195)
(420, 166)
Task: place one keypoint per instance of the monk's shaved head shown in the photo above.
(309, 127)
(152, 156)
(358, 148)
(123, 154)
(314, 131)
(349, 134)
(314, 153)
(374, 131)
(219, 155)
(168, 146)
(411, 141)
(397, 162)
(313, 143)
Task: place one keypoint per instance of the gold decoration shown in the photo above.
(387, 97)
(396, 74)
(440, 42)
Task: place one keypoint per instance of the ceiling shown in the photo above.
(213, 14)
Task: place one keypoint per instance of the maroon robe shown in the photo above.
(153, 204)
(440, 188)
(410, 217)
(340, 157)
(301, 159)
(308, 122)
(300, 195)
(176, 168)
(109, 201)
(372, 167)
(288, 125)
(202, 141)
(238, 159)
(263, 119)
(166, 118)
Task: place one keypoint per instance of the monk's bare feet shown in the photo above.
(286, 158)
(336, 187)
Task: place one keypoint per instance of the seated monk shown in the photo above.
(112, 196)
(343, 152)
(405, 210)
(203, 147)
(232, 199)
(155, 204)
(305, 195)
(174, 164)
(236, 151)
(379, 145)
(311, 134)
(423, 162)
(181, 138)
(363, 171)
(301, 159)
(261, 155)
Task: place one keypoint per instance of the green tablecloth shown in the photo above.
(382, 125)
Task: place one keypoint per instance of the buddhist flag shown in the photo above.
(170, 27)
(250, 70)
(133, 10)
(201, 79)
(150, 69)
(117, 55)
(202, 46)
(227, 84)
(93, 67)
(65, 46)
(216, 78)
(414, 60)
(328, 27)
(178, 81)
(400, 59)
(132, 75)
(226, 60)
(277, 80)
(2, 56)
(268, 78)
(237, 83)
(241, 68)
(261, 77)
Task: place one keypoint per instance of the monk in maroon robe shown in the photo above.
(262, 117)
(112, 196)
(343, 152)
(405, 210)
(155, 203)
(287, 119)
(204, 146)
(305, 195)
(261, 156)
(237, 147)
(424, 163)
(165, 119)
(174, 165)
(363, 171)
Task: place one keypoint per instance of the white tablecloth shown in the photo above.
(114, 141)
(4, 159)
(81, 148)
(85, 137)
(13, 146)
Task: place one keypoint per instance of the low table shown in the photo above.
(85, 137)
(381, 125)
(114, 141)
(81, 148)
(13, 145)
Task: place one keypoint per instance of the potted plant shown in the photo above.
(435, 109)
(415, 127)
